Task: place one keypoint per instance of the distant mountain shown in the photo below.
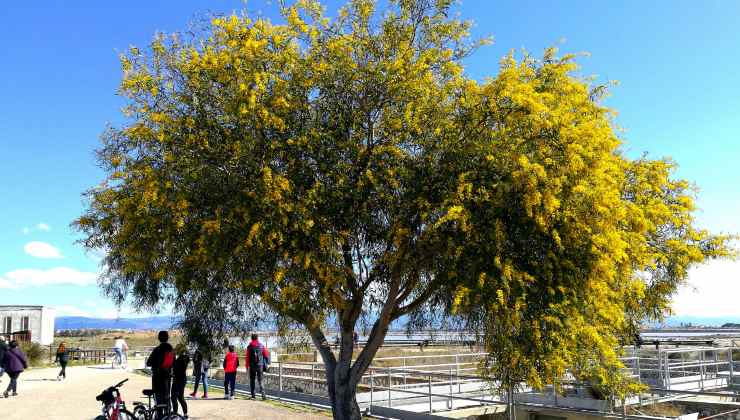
(138, 324)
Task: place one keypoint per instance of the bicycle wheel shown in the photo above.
(140, 413)
(101, 418)
(173, 417)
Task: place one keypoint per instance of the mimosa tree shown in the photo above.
(334, 168)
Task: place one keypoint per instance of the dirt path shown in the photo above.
(40, 396)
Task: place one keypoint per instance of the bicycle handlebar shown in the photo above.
(120, 383)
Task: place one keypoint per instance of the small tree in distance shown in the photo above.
(325, 169)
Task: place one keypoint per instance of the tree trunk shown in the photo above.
(510, 399)
(345, 405)
(342, 374)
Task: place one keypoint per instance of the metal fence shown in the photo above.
(434, 383)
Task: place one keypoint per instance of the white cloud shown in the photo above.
(712, 291)
(30, 277)
(42, 250)
(40, 227)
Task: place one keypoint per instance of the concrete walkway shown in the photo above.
(41, 396)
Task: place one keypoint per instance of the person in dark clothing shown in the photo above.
(14, 363)
(199, 374)
(62, 358)
(3, 349)
(231, 363)
(160, 361)
(257, 358)
(180, 379)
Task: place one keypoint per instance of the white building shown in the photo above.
(38, 320)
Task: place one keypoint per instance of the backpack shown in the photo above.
(167, 360)
(256, 359)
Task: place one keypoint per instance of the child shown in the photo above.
(231, 363)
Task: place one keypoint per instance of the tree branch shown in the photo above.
(377, 334)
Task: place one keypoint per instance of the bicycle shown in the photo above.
(114, 408)
(147, 412)
(118, 360)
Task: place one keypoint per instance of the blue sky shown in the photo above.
(679, 96)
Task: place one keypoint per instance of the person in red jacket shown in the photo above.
(257, 359)
(231, 363)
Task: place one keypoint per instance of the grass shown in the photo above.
(297, 408)
(658, 410)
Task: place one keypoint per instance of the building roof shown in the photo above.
(23, 306)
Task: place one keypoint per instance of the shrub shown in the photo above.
(35, 353)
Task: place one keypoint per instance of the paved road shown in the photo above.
(42, 397)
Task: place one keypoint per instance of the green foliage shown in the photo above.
(36, 354)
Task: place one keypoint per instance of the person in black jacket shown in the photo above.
(62, 358)
(161, 360)
(180, 379)
(14, 363)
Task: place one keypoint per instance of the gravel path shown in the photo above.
(40, 396)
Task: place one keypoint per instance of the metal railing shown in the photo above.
(448, 381)
(400, 386)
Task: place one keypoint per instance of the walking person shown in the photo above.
(160, 361)
(14, 363)
(3, 349)
(62, 358)
(200, 373)
(180, 379)
(231, 363)
(257, 359)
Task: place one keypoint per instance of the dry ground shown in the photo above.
(42, 397)
(133, 339)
